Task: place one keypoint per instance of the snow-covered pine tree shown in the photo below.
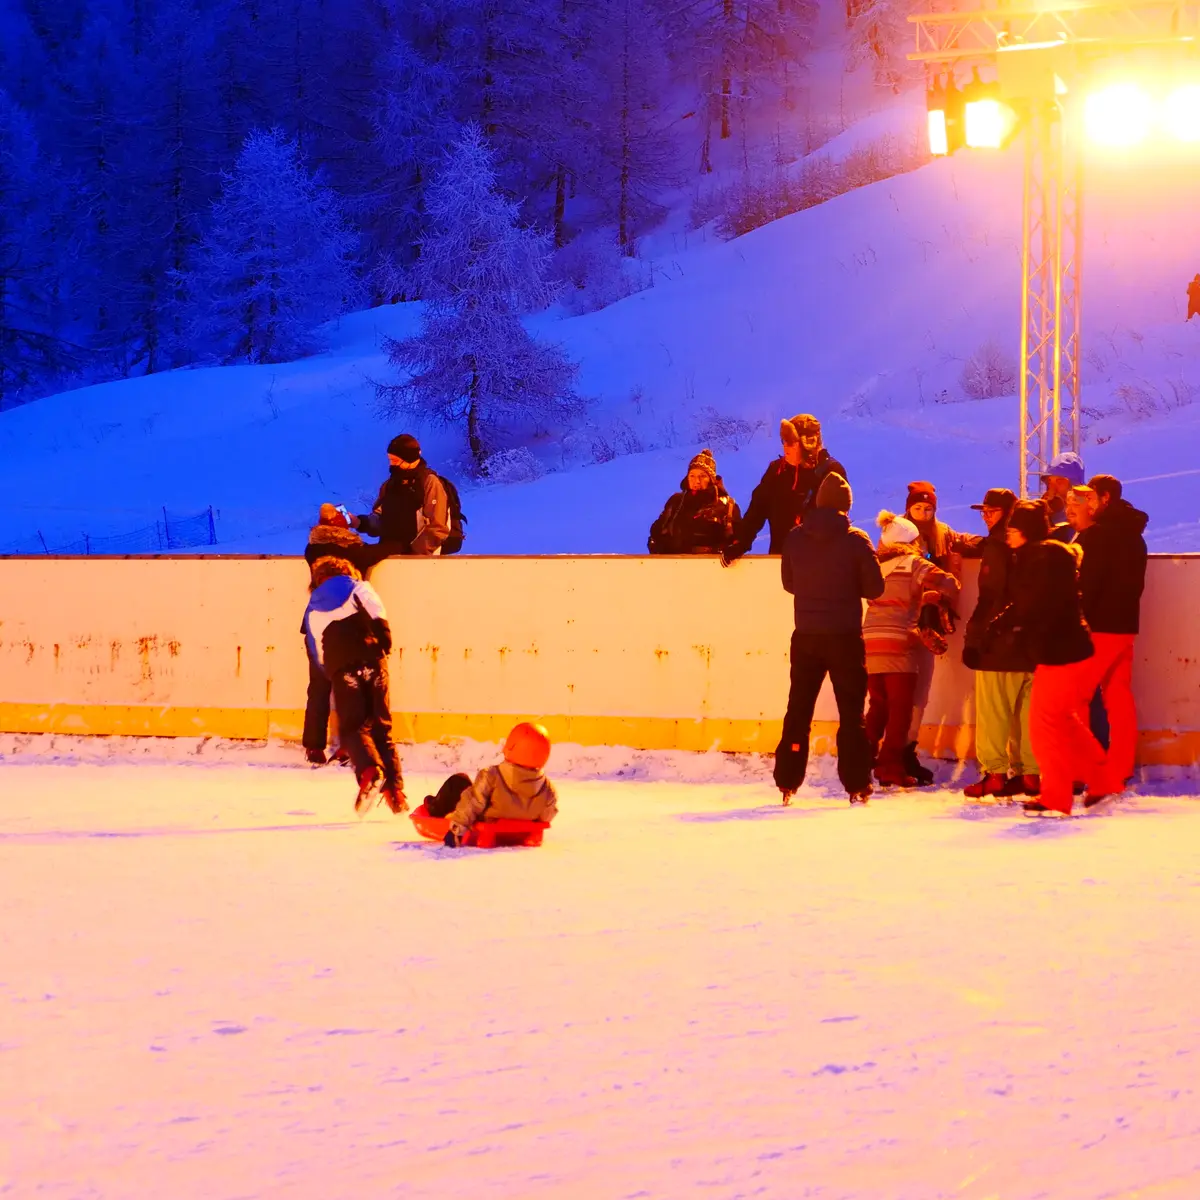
(636, 151)
(473, 365)
(878, 32)
(413, 127)
(277, 260)
(31, 351)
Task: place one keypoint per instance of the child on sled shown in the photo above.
(516, 789)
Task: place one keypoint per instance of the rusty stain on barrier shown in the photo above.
(504, 653)
(30, 650)
(433, 652)
(114, 653)
(146, 646)
(705, 653)
(661, 654)
(173, 648)
(238, 668)
(57, 652)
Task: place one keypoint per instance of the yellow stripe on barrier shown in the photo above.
(1155, 747)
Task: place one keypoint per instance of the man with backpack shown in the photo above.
(416, 511)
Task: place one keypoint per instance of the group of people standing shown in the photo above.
(1050, 639)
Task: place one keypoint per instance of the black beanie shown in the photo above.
(1030, 518)
(406, 448)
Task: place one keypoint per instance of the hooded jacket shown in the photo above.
(783, 497)
(412, 509)
(694, 522)
(345, 624)
(830, 568)
(1112, 575)
(984, 650)
(1044, 612)
(506, 792)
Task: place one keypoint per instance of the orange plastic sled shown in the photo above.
(484, 834)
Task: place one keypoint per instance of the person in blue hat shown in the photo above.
(1064, 473)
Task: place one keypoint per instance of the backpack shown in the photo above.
(454, 543)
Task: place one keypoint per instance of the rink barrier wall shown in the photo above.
(652, 653)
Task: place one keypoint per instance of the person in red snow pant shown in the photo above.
(1114, 655)
(1065, 747)
(889, 715)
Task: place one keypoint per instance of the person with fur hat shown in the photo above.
(516, 789)
(330, 537)
(348, 638)
(1045, 615)
(945, 548)
(788, 488)
(829, 567)
(700, 517)
(891, 639)
(1003, 669)
(412, 511)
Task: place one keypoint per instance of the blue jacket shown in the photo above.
(830, 568)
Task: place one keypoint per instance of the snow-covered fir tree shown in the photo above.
(276, 261)
(473, 365)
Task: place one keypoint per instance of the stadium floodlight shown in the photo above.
(1181, 113)
(939, 144)
(988, 124)
(1119, 115)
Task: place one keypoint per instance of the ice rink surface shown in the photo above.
(215, 982)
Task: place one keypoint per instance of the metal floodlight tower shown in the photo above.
(1035, 52)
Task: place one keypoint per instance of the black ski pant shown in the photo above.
(446, 800)
(841, 656)
(316, 709)
(360, 695)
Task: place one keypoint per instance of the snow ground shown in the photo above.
(217, 983)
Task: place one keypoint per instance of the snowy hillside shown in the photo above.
(863, 310)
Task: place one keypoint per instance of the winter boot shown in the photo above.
(395, 799)
(316, 757)
(912, 766)
(992, 784)
(368, 782)
(1014, 786)
(894, 777)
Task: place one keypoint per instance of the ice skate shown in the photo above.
(1099, 804)
(860, 798)
(914, 767)
(368, 784)
(992, 784)
(786, 796)
(316, 757)
(395, 799)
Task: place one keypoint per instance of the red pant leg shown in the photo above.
(877, 710)
(901, 688)
(1064, 745)
(1115, 652)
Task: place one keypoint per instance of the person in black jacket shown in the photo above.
(348, 637)
(1003, 667)
(330, 537)
(1045, 616)
(700, 517)
(412, 511)
(788, 488)
(829, 568)
(1112, 578)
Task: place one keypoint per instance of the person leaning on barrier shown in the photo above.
(788, 488)
(330, 537)
(1112, 578)
(830, 568)
(700, 517)
(1064, 473)
(412, 511)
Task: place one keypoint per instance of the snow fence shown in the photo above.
(651, 653)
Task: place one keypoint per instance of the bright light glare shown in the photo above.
(1182, 113)
(1119, 115)
(938, 142)
(985, 124)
